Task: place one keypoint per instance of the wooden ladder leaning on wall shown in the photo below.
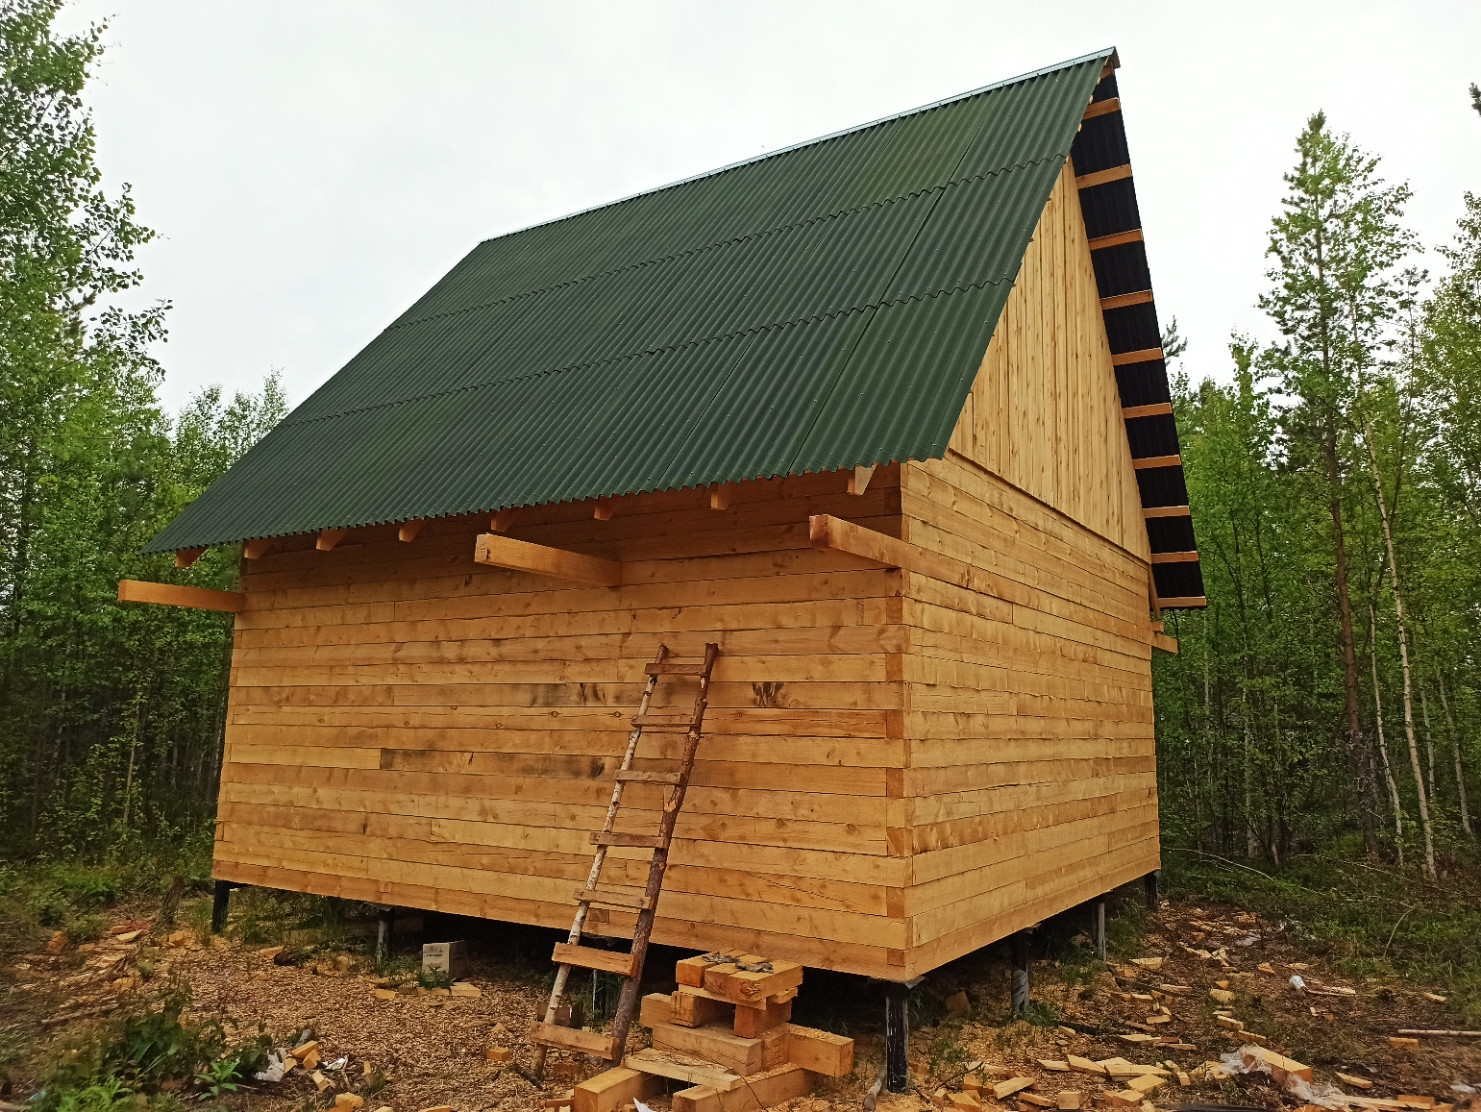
(629, 966)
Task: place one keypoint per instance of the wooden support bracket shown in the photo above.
(173, 594)
(187, 556)
(858, 482)
(1116, 239)
(720, 496)
(1175, 557)
(1146, 462)
(328, 538)
(1145, 355)
(1185, 602)
(604, 509)
(1167, 511)
(504, 520)
(1102, 177)
(409, 529)
(1156, 409)
(1102, 107)
(256, 550)
(559, 563)
(1165, 643)
(1123, 300)
(828, 532)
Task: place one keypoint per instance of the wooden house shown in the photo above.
(884, 415)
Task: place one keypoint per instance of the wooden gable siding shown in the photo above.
(1032, 781)
(1044, 413)
(408, 727)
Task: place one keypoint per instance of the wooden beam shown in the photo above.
(858, 482)
(1123, 300)
(1107, 69)
(1188, 602)
(328, 538)
(504, 520)
(1116, 239)
(1166, 511)
(1156, 409)
(1102, 177)
(172, 594)
(838, 535)
(256, 550)
(720, 496)
(1175, 557)
(1147, 462)
(558, 563)
(187, 556)
(409, 529)
(1165, 643)
(1102, 107)
(1146, 355)
(604, 509)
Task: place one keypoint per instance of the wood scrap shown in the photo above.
(1005, 1089)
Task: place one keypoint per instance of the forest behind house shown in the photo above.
(1323, 715)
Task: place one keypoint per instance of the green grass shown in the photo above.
(1369, 920)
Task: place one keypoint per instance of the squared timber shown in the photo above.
(900, 763)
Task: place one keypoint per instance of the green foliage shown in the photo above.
(110, 716)
(434, 978)
(1370, 921)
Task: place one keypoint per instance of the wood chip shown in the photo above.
(1355, 1082)
(1148, 963)
(1085, 1065)
(1069, 1099)
(1054, 1065)
(1398, 1042)
(1036, 1100)
(1004, 1089)
(1222, 995)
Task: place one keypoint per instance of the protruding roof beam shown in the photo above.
(721, 495)
(1145, 355)
(604, 509)
(1188, 602)
(173, 594)
(1103, 177)
(1175, 557)
(1102, 107)
(328, 538)
(1167, 511)
(1122, 300)
(1148, 462)
(558, 563)
(409, 529)
(187, 556)
(1116, 239)
(256, 550)
(858, 482)
(504, 520)
(1156, 409)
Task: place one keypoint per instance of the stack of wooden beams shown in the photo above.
(727, 1033)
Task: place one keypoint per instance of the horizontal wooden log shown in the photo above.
(1175, 557)
(1191, 602)
(1103, 177)
(559, 563)
(1145, 355)
(1115, 239)
(1147, 462)
(187, 556)
(173, 594)
(1123, 300)
(1102, 107)
(1156, 409)
(1167, 511)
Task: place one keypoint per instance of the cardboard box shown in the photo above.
(450, 957)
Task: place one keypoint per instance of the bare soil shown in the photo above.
(412, 1048)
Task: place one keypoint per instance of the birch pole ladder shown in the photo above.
(546, 1033)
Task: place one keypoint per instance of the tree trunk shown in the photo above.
(1429, 744)
(1388, 772)
(1409, 732)
(1460, 771)
(1357, 751)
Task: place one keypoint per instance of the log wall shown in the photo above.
(410, 727)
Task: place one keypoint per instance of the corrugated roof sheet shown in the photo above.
(820, 307)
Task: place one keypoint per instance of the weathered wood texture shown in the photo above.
(895, 769)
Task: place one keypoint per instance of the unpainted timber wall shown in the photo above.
(894, 771)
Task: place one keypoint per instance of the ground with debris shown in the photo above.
(1202, 982)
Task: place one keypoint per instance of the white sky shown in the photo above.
(313, 167)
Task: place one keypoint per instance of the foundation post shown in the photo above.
(220, 905)
(1020, 985)
(1149, 883)
(385, 926)
(1098, 925)
(897, 1034)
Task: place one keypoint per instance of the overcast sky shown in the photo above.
(313, 167)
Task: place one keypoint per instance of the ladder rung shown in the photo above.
(652, 721)
(632, 776)
(642, 841)
(570, 1038)
(609, 898)
(587, 957)
(674, 669)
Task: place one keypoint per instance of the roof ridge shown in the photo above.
(1106, 52)
(832, 314)
(713, 245)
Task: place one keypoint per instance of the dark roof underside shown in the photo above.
(822, 307)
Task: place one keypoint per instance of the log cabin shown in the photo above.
(883, 415)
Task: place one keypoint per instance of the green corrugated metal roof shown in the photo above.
(820, 307)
